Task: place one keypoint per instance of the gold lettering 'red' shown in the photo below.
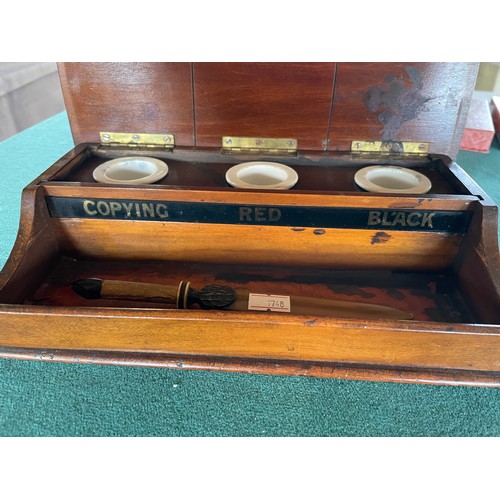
(259, 214)
(384, 218)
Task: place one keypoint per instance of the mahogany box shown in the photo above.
(433, 256)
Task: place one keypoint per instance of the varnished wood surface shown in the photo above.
(255, 197)
(334, 248)
(289, 100)
(324, 106)
(352, 371)
(478, 265)
(401, 102)
(128, 97)
(35, 250)
(219, 243)
(133, 289)
(254, 336)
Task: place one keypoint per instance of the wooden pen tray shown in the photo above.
(427, 296)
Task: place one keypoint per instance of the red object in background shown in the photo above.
(479, 131)
(495, 101)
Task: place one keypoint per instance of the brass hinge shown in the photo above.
(137, 140)
(259, 145)
(371, 148)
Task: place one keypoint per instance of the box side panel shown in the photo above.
(34, 252)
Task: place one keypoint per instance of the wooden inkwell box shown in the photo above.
(324, 276)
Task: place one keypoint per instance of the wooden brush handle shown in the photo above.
(129, 290)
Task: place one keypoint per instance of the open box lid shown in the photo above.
(321, 106)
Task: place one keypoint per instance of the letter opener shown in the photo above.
(226, 298)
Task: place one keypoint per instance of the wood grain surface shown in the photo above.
(401, 102)
(352, 371)
(219, 243)
(324, 106)
(128, 97)
(254, 336)
(289, 100)
(289, 198)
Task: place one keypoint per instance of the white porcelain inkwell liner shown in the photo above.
(261, 175)
(392, 179)
(131, 170)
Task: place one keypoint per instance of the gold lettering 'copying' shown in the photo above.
(127, 210)
(400, 219)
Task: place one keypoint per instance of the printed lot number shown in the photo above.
(265, 302)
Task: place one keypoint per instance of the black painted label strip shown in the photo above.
(230, 213)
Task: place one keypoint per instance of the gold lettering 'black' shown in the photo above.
(385, 218)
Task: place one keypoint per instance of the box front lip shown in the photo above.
(275, 367)
(366, 345)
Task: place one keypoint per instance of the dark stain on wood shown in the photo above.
(319, 232)
(450, 308)
(380, 237)
(395, 103)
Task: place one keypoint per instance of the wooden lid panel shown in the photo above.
(279, 100)
(128, 97)
(325, 106)
(401, 102)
